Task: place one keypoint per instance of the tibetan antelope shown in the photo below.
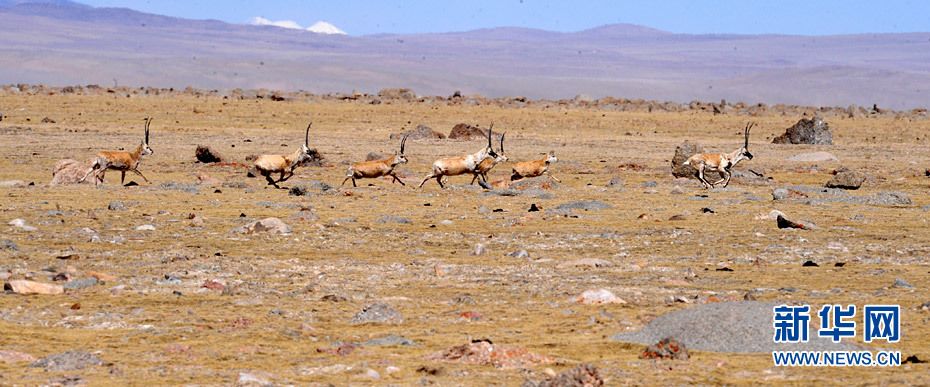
(454, 166)
(120, 160)
(283, 164)
(534, 168)
(720, 162)
(378, 168)
(485, 166)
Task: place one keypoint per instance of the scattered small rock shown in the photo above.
(269, 225)
(389, 340)
(615, 182)
(334, 298)
(15, 357)
(890, 198)
(519, 254)
(667, 348)
(780, 194)
(32, 287)
(846, 180)
(482, 352)
(175, 186)
(378, 313)
(13, 184)
(298, 190)
(587, 262)
(785, 223)
(901, 283)
(533, 208)
(9, 245)
(116, 205)
(586, 205)
(80, 283)
(254, 379)
(305, 214)
(21, 224)
(206, 154)
(810, 264)
(213, 284)
(598, 296)
(650, 184)
(393, 219)
(145, 227)
(479, 250)
(68, 361)
(583, 375)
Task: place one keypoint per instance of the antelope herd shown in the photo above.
(477, 164)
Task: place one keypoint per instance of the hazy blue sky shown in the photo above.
(810, 17)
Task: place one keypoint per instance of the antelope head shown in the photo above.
(489, 150)
(502, 157)
(399, 157)
(743, 152)
(146, 150)
(304, 154)
(550, 157)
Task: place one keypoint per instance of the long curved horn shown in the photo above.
(490, 130)
(402, 143)
(502, 142)
(746, 134)
(307, 135)
(148, 121)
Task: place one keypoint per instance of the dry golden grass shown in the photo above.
(274, 320)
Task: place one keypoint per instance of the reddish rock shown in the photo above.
(485, 353)
(214, 285)
(667, 348)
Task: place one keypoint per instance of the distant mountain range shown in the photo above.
(66, 43)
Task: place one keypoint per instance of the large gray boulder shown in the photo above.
(682, 153)
(807, 131)
(846, 180)
(70, 171)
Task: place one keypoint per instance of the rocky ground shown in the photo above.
(186, 280)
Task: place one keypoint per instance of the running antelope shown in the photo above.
(721, 162)
(378, 168)
(534, 168)
(454, 166)
(284, 164)
(485, 166)
(120, 160)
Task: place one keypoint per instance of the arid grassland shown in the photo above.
(191, 301)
